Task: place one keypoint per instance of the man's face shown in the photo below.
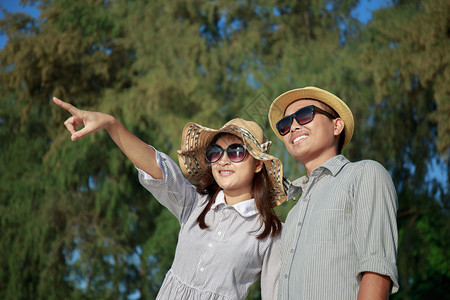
(314, 142)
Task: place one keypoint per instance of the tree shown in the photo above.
(71, 205)
(405, 57)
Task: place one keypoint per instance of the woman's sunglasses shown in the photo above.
(302, 116)
(235, 152)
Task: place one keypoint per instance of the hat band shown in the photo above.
(191, 162)
(264, 146)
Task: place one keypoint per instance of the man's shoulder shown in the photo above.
(367, 165)
(367, 170)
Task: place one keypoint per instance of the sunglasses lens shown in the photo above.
(236, 152)
(284, 125)
(213, 153)
(304, 115)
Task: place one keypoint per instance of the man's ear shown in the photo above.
(338, 126)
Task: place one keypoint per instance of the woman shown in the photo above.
(229, 236)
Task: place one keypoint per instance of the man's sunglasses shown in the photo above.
(235, 152)
(302, 116)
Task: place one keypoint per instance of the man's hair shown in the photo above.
(330, 110)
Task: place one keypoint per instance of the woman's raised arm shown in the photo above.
(139, 153)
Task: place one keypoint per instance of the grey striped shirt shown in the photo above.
(220, 262)
(344, 224)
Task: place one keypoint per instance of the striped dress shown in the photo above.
(220, 262)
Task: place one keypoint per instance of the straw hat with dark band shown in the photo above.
(196, 138)
(279, 105)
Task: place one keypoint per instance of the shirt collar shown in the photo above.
(245, 208)
(333, 166)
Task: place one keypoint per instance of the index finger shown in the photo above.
(67, 106)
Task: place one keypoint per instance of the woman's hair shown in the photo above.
(208, 186)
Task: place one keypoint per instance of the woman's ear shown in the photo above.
(259, 166)
(338, 126)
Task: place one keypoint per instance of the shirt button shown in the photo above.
(202, 269)
(210, 245)
(299, 223)
(292, 250)
(219, 233)
(305, 199)
(285, 275)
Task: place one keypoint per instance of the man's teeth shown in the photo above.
(300, 138)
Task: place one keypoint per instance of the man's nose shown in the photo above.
(295, 126)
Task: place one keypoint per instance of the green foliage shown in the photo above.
(74, 221)
(403, 56)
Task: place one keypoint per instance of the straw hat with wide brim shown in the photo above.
(196, 138)
(279, 105)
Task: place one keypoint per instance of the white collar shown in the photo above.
(246, 208)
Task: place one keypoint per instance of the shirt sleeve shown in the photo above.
(174, 191)
(271, 270)
(375, 222)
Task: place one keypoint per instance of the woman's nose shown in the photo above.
(224, 160)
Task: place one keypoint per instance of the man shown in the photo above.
(340, 239)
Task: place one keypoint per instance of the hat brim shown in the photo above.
(279, 105)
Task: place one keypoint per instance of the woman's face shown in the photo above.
(235, 178)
